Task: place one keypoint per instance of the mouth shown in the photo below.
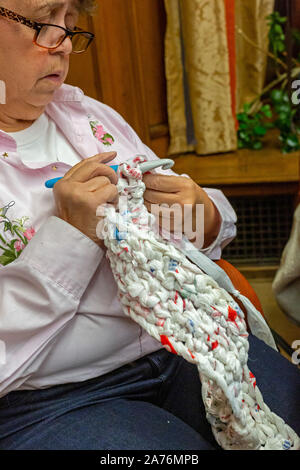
(55, 77)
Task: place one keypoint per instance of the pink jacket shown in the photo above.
(60, 319)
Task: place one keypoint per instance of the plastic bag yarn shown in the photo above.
(187, 311)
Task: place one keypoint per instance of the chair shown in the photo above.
(242, 285)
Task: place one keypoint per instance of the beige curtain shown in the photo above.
(250, 60)
(199, 82)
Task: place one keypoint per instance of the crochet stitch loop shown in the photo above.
(190, 315)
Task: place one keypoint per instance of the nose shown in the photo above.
(65, 47)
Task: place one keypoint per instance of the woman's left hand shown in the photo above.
(180, 191)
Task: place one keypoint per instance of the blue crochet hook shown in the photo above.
(51, 183)
(165, 163)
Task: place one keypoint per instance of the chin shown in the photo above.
(44, 94)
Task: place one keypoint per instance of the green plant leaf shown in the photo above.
(257, 145)
(247, 107)
(283, 108)
(242, 117)
(267, 111)
(282, 19)
(276, 95)
(279, 44)
(293, 142)
(244, 136)
(260, 130)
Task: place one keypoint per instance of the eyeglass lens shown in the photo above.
(52, 36)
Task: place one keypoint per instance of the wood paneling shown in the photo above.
(296, 13)
(150, 27)
(124, 68)
(84, 71)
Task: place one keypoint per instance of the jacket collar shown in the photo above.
(67, 93)
(66, 109)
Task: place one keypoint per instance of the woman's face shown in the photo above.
(24, 66)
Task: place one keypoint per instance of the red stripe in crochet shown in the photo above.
(252, 377)
(231, 314)
(192, 355)
(165, 342)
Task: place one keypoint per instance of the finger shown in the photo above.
(167, 215)
(158, 197)
(169, 223)
(99, 158)
(96, 183)
(166, 212)
(108, 193)
(91, 170)
(165, 183)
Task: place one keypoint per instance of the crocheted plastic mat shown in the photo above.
(190, 314)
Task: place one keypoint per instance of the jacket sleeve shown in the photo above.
(39, 293)
(286, 284)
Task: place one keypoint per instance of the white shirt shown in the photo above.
(44, 142)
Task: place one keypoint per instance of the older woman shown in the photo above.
(75, 372)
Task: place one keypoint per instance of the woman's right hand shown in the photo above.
(83, 188)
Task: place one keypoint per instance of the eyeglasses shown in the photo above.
(50, 36)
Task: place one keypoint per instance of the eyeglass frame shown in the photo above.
(11, 15)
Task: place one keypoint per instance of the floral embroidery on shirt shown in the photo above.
(14, 236)
(101, 134)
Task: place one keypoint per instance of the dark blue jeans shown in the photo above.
(152, 404)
